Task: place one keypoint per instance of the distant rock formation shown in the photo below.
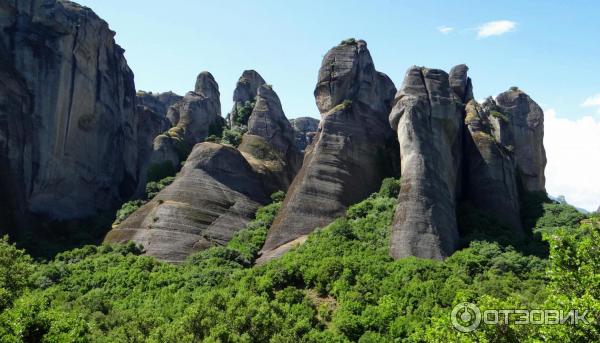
(351, 152)
(244, 96)
(428, 118)
(68, 126)
(280, 159)
(522, 129)
(215, 194)
(193, 118)
(219, 188)
(305, 129)
(159, 103)
(452, 149)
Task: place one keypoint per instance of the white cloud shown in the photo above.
(445, 29)
(572, 148)
(495, 28)
(593, 101)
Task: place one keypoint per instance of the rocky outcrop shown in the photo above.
(269, 122)
(68, 127)
(490, 182)
(305, 129)
(159, 103)
(244, 96)
(193, 118)
(521, 127)
(215, 194)
(350, 155)
(428, 117)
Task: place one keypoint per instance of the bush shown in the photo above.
(159, 171)
(127, 209)
(233, 136)
(243, 113)
(153, 188)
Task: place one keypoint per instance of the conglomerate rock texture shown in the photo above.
(351, 152)
(68, 126)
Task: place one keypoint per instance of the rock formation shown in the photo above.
(452, 149)
(215, 194)
(524, 132)
(269, 122)
(159, 103)
(244, 96)
(305, 129)
(219, 188)
(490, 171)
(193, 118)
(350, 155)
(68, 140)
(428, 117)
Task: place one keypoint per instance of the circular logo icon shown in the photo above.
(466, 317)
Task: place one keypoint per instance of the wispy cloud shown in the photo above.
(495, 28)
(573, 161)
(445, 29)
(593, 101)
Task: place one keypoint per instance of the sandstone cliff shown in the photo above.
(428, 117)
(215, 194)
(193, 119)
(68, 126)
(351, 152)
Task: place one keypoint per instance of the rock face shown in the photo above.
(349, 157)
(305, 129)
(158, 103)
(245, 93)
(524, 120)
(428, 117)
(490, 170)
(68, 140)
(215, 195)
(193, 118)
(269, 122)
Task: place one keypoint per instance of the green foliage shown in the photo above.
(340, 285)
(15, 268)
(349, 41)
(278, 196)
(127, 209)
(243, 113)
(153, 187)
(390, 188)
(233, 136)
(216, 128)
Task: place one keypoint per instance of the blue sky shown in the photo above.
(547, 48)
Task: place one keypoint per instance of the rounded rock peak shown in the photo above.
(206, 85)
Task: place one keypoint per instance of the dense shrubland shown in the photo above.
(341, 285)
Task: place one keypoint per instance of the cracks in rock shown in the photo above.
(72, 89)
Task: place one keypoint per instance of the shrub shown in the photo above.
(127, 209)
(159, 171)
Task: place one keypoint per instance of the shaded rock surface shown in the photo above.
(193, 118)
(157, 102)
(215, 195)
(245, 92)
(68, 126)
(305, 129)
(350, 155)
(269, 122)
(522, 128)
(490, 170)
(428, 117)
